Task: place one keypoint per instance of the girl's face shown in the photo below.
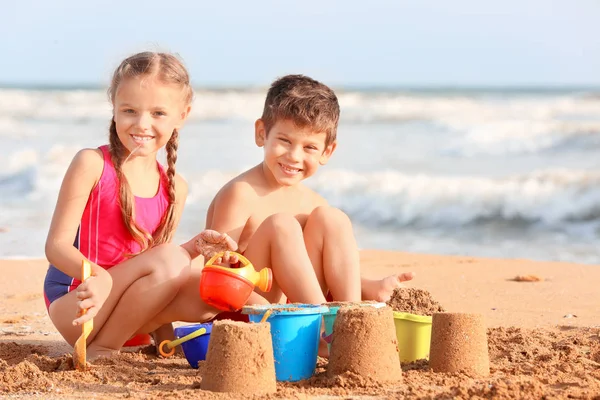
(146, 111)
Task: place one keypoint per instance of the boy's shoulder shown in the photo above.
(242, 186)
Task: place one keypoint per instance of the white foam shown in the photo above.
(391, 198)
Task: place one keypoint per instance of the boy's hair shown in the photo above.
(168, 69)
(305, 101)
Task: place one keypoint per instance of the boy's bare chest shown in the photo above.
(298, 206)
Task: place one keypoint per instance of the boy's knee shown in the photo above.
(331, 217)
(279, 223)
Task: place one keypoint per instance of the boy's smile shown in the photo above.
(292, 153)
(290, 170)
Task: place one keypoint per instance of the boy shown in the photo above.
(280, 223)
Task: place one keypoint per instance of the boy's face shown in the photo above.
(292, 154)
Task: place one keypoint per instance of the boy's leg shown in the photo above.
(278, 243)
(334, 254)
(141, 287)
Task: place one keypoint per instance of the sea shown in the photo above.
(492, 172)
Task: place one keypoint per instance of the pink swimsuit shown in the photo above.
(102, 236)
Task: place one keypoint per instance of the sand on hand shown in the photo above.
(239, 359)
(364, 343)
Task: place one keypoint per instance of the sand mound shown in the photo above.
(23, 376)
(414, 301)
(13, 353)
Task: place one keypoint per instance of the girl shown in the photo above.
(118, 208)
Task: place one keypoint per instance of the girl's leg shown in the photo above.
(279, 244)
(333, 252)
(141, 288)
(186, 306)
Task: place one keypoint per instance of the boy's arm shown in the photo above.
(231, 209)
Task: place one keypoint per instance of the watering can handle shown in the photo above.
(242, 259)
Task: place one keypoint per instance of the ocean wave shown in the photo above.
(357, 106)
(497, 124)
(551, 198)
(384, 197)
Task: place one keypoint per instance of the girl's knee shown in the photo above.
(329, 217)
(171, 261)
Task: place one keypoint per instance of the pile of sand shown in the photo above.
(414, 301)
(524, 364)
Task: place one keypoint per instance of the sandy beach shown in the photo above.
(543, 337)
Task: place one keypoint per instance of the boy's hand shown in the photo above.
(210, 242)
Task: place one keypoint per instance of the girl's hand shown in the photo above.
(91, 296)
(209, 242)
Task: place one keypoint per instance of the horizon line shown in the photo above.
(359, 87)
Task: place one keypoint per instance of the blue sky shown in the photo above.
(351, 42)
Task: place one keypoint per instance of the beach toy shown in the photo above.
(295, 330)
(193, 340)
(364, 343)
(329, 316)
(142, 339)
(459, 344)
(228, 289)
(414, 335)
(80, 349)
(239, 359)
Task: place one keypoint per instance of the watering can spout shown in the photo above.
(265, 280)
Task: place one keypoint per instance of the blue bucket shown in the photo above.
(194, 349)
(295, 331)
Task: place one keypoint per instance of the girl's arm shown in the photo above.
(81, 177)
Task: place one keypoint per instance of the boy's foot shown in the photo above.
(382, 289)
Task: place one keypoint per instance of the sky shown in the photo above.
(340, 42)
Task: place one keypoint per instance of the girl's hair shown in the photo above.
(167, 69)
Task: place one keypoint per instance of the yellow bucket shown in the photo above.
(414, 336)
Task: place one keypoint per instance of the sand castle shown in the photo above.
(459, 344)
(364, 343)
(239, 359)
